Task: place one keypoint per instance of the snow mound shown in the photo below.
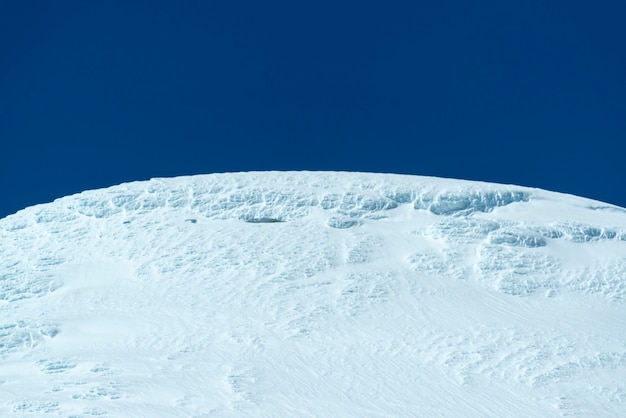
(313, 294)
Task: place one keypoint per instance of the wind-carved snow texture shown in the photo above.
(466, 203)
(313, 294)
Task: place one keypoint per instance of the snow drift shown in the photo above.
(314, 294)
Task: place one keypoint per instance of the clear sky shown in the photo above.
(95, 93)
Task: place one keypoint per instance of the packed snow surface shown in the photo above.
(314, 295)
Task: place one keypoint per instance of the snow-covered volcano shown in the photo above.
(313, 294)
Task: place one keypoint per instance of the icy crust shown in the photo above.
(252, 204)
(468, 202)
(313, 294)
(252, 197)
(259, 198)
(348, 199)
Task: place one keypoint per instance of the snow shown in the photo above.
(313, 294)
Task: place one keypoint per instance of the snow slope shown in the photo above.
(313, 294)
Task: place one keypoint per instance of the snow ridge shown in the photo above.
(313, 294)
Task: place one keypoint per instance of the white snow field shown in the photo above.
(313, 294)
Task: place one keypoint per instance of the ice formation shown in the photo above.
(313, 294)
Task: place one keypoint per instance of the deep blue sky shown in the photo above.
(95, 93)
